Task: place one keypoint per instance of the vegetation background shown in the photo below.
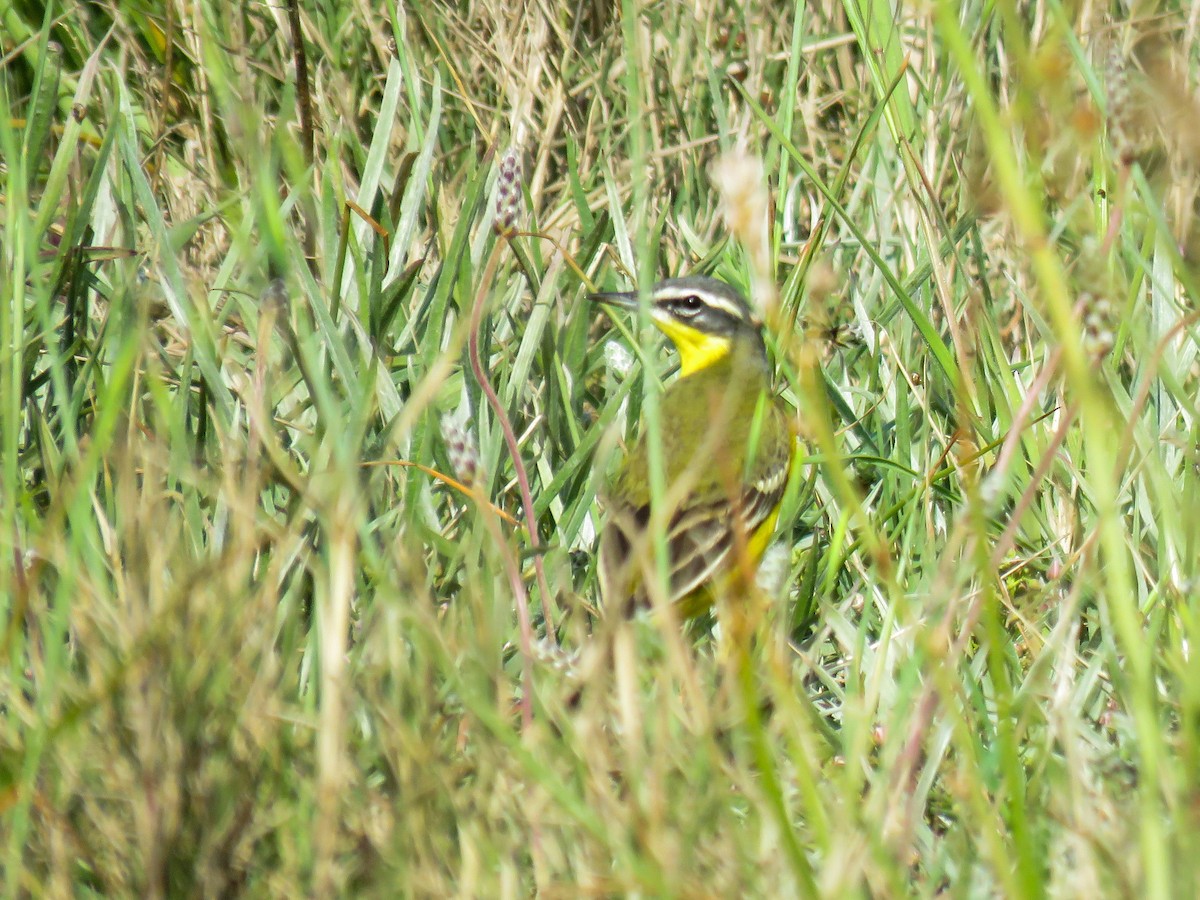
(276, 616)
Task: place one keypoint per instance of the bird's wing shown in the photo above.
(700, 539)
(700, 536)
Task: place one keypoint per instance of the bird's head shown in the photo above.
(704, 318)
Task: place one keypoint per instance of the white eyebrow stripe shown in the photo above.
(714, 301)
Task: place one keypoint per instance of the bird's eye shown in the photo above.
(689, 305)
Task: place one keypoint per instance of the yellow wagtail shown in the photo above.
(726, 452)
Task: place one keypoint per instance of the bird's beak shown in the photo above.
(622, 299)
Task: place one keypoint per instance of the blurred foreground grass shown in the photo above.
(256, 642)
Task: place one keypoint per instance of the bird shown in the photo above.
(727, 451)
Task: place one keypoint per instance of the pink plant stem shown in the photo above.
(510, 439)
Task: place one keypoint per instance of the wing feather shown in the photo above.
(700, 538)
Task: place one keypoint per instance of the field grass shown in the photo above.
(289, 605)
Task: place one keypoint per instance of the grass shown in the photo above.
(291, 606)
